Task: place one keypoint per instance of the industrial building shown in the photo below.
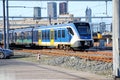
(52, 9)
(37, 12)
(63, 8)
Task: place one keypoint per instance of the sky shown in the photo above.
(76, 8)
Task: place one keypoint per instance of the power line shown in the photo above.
(57, 17)
(59, 0)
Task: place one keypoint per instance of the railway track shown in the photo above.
(90, 55)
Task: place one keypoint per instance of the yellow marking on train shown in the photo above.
(40, 42)
(52, 37)
(52, 41)
(40, 37)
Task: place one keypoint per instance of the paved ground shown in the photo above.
(11, 69)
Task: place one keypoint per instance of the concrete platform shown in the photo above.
(11, 69)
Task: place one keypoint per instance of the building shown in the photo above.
(88, 15)
(63, 8)
(52, 9)
(37, 12)
(65, 18)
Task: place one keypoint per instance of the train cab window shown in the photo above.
(70, 30)
(63, 33)
(83, 28)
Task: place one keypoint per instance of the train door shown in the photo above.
(51, 37)
(40, 37)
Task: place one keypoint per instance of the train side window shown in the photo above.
(48, 34)
(22, 35)
(55, 35)
(10, 36)
(70, 31)
(18, 35)
(43, 35)
(15, 36)
(28, 35)
(63, 33)
(59, 33)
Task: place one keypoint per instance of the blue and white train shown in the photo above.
(76, 35)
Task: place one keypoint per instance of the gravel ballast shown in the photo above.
(75, 63)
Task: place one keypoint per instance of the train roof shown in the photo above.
(46, 27)
(28, 29)
(18, 30)
(21, 29)
(53, 26)
(60, 25)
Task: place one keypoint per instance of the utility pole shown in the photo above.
(106, 7)
(67, 7)
(7, 25)
(50, 20)
(116, 39)
(4, 23)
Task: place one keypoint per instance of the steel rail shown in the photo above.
(104, 57)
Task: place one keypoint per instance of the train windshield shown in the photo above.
(83, 28)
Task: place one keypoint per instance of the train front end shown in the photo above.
(82, 38)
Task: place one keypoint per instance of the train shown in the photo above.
(76, 35)
(97, 36)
